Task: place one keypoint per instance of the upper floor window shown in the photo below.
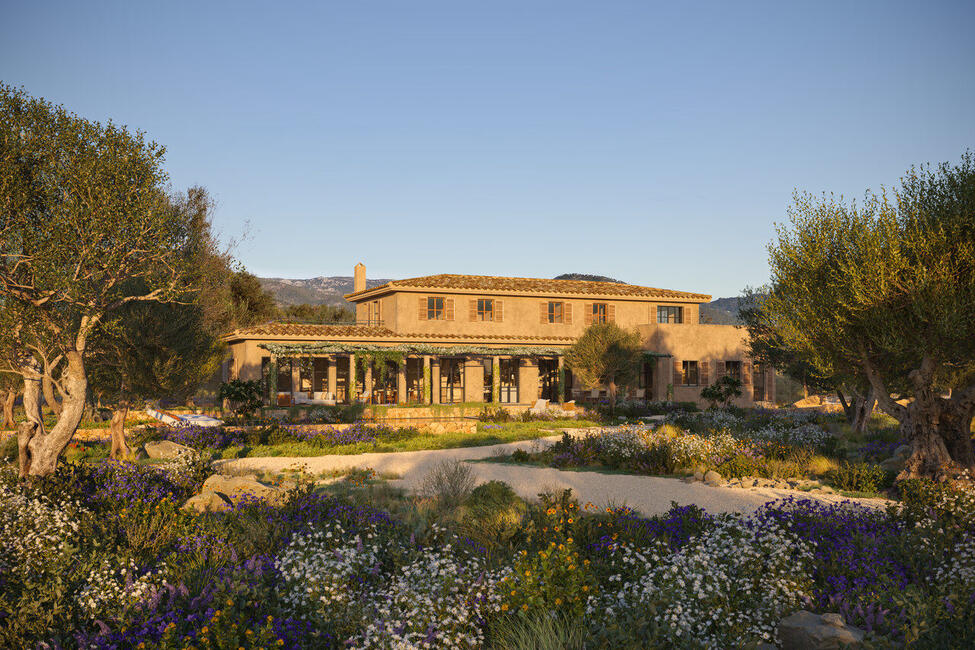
(556, 312)
(689, 373)
(436, 308)
(670, 314)
(599, 312)
(485, 309)
(733, 369)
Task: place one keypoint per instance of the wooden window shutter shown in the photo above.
(473, 304)
(587, 307)
(705, 366)
(543, 312)
(610, 313)
(746, 373)
(719, 371)
(422, 315)
(499, 310)
(677, 373)
(448, 308)
(567, 313)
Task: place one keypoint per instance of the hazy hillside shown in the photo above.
(314, 291)
(721, 311)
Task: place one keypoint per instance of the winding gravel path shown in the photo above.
(648, 495)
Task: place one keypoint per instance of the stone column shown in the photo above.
(561, 379)
(427, 381)
(333, 375)
(473, 381)
(435, 381)
(401, 382)
(351, 389)
(770, 385)
(496, 379)
(295, 379)
(367, 387)
(528, 381)
(667, 378)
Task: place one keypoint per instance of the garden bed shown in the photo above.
(107, 550)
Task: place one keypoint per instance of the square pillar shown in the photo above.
(473, 381)
(333, 376)
(427, 382)
(351, 389)
(295, 379)
(561, 379)
(401, 382)
(496, 379)
(367, 386)
(435, 381)
(667, 378)
(528, 381)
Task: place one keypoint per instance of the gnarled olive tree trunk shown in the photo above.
(858, 409)
(937, 428)
(117, 430)
(8, 409)
(40, 449)
(49, 397)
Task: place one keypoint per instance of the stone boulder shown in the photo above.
(712, 478)
(208, 502)
(807, 631)
(237, 488)
(166, 450)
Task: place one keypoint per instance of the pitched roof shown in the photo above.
(367, 332)
(490, 283)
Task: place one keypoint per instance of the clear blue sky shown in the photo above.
(657, 143)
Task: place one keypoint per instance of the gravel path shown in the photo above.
(648, 495)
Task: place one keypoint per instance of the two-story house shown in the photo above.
(446, 339)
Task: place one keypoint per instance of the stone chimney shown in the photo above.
(359, 278)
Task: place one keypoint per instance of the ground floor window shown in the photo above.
(342, 379)
(548, 379)
(451, 380)
(509, 381)
(319, 374)
(733, 369)
(689, 373)
(488, 364)
(646, 379)
(384, 383)
(414, 381)
(284, 376)
(758, 383)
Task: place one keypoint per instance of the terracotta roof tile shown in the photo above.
(312, 329)
(365, 331)
(488, 283)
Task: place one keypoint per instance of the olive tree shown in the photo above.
(85, 229)
(885, 291)
(606, 355)
(147, 350)
(769, 346)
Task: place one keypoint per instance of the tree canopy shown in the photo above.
(606, 355)
(86, 229)
(883, 291)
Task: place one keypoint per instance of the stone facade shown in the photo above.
(474, 339)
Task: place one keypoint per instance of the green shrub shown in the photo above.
(858, 477)
(538, 632)
(245, 397)
(8, 448)
(493, 514)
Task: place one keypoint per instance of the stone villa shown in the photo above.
(445, 339)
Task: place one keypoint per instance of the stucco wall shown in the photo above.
(521, 314)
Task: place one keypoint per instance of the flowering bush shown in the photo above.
(726, 588)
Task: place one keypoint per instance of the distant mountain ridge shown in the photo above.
(323, 290)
